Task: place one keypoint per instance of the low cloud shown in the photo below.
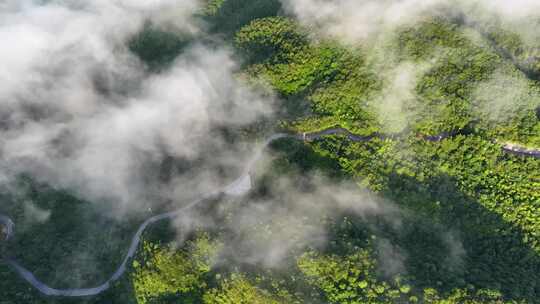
(34, 213)
(361, 20)
(398, 103)
(358, 20)
(390, 258)
(456, 252)
(497, 98)
(60, 126)
(294, 214)
(78, 111)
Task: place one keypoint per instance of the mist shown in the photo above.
(296, 212)
(363, 20)
(80, 112)
(497, 98)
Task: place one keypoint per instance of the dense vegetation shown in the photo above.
(470, 223)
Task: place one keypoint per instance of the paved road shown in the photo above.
(237, 188)
(519, 150)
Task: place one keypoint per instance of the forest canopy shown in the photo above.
(410, 174)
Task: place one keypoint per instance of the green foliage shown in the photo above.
(511, 46)
(288, 62)
(446, 89)
(508, 186)
(228, 16)
(460, 296)
(464, 184)
(212, 7)
(156, 47)
(265, 37)
(449, 182)
(334, 78)
(421, 42)
(239, 290)
(350, 279)
(524, 130)
(161, 272)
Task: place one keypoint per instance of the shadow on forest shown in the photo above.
(449, 240)
(65, 241)
(234, 14)
(494, 255)
(157, 48)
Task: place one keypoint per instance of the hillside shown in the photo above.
(406, 168)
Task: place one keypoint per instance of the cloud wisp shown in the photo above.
(361, 20)
(78, 110)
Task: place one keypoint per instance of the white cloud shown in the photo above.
(358, 20)
(61, 127)
(355, 20)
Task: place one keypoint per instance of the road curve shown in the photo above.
(238, 187)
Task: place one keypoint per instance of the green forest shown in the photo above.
(452, 216)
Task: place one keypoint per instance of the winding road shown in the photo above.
(237, 188)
